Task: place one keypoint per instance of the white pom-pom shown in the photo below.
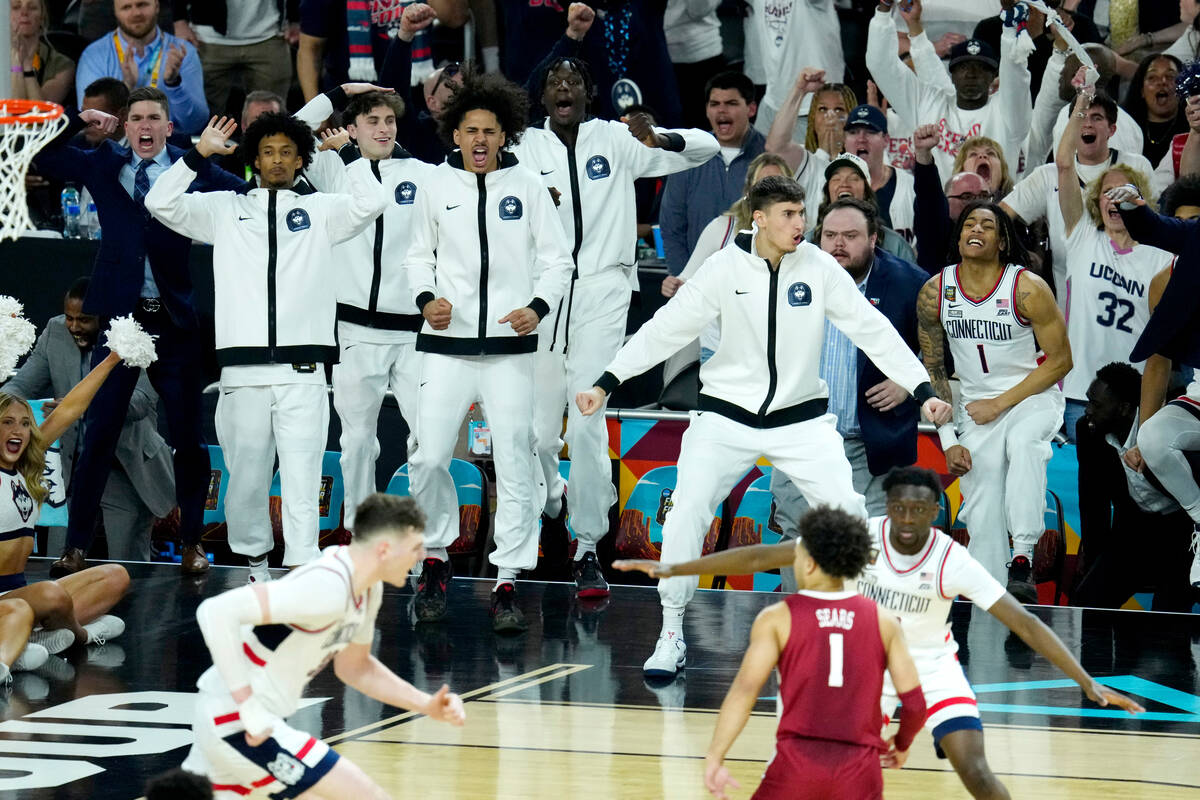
(17, 335)
(126, 337)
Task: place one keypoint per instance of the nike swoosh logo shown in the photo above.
(546, 171)
(451, 208)
(243, 219)
(739, 291)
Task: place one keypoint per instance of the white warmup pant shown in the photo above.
(360, 380)
(716, 452)
(253, 424)
(599, 307)
(504, 384)
(1165, 440)
(1005, 491)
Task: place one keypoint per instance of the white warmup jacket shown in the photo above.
(595, 176)
(274, 270)
(928, 97)
(489, 244)
(373, 290)
(765, 372)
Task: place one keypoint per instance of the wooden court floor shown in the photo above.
(562, 711)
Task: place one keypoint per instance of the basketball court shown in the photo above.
(562, 711)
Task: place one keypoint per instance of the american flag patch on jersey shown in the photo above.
(1002, 302)
(926, 576)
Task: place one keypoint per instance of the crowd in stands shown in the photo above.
(908, 125)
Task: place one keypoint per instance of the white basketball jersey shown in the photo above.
(1107, 304)
(993, 347)
(919, 589)
(18, 512)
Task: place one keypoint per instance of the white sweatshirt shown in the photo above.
(692, 30)
(928, 97)
(274, 271)
(489, 244)
(765, 371)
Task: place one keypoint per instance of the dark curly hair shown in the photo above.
(1183, 192)
(1123, 381)
(1011, 249)
(366, 102)
(577, 64)
(494, 93)
(836, 540)
(270, 124)
(913, 476)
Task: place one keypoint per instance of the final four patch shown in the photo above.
(406, 193)
(799, 294)
(950, 294)
(510, 208)
(597, 168)
(297, 220)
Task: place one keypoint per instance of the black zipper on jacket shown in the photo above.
(272, 260)
(772, 314)
(377, 276)
(577, 210)
(481, 212)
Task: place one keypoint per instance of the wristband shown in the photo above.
(947, 436)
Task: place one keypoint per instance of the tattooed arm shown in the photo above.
(1035, 303)
(932, 338)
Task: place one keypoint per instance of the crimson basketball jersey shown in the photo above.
(831, 669)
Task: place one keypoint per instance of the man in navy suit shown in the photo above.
(142, 270)
(876, 418)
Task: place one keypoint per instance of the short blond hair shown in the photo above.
(1092, 195)
(1006, 182)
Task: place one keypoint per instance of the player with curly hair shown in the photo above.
(823, 631)
(273, 269)
(487, 261)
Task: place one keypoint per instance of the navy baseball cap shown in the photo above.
(973, 50)
(867, 117)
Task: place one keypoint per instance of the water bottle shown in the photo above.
(71, 214)
(91, 222)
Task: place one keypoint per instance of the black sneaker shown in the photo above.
(506, 617)
(1020, 581)
(430, 602)
(589, 580)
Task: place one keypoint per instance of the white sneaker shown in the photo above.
(1194, 577)
(55, 640)
(32, 657)
(259, 573)
(103, 628)
(670, 654)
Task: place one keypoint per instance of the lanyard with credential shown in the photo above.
(157, 61)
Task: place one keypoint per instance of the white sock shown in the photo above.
(553, 508)
(672, 623)
(583, 548)
(437, 552)
(491, 58)
(1023, 549)
(259, 562)
(505, 575)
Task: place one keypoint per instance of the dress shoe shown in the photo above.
(192, 560)
(69, 563)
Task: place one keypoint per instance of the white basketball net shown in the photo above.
(20, 140)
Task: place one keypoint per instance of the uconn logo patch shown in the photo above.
(597, 168)
(22, 500)
(406, 193)
(510, 208)
(297, 220)
(798, 294)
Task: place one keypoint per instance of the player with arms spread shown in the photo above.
(916, 572)
(269, 639)
(812, 635)
(996, 313)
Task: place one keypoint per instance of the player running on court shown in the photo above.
(268, 639)
(908, 551)
(812, 637)
(772, 292)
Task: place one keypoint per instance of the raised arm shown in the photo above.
(1158, 367)
(1035, 634)
(1046, 106)
(767, 638)
(931, 211)
(579, 21)
(78, 399)
(192, 214)
(893, 77)
(783, 126)
(662, 151)
(930, 70)
(1070, 194)
(1147, 227)
(1013, 93)
(735, 561)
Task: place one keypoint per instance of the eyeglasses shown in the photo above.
(971, 197)
(448, 72)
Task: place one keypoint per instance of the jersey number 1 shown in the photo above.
(982, 358)
(835, 659)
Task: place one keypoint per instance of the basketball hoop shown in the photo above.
(25, 127)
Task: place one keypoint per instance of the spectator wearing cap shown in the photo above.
(865, 134)
(959, 102)
(849, 177)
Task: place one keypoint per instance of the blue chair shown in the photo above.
(474, 517)
(752, 525)
(640, 528)
(1050, 554)
(332, 494)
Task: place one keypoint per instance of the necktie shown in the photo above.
(141, 185)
